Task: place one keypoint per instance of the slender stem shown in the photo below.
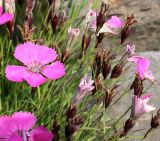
(39, 94)
(149, 130)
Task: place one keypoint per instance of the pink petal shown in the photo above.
(140, 106)
(5, 126)
(149, 75)
(146, 97)
(148, 108)
(115, 22)
(23, 120)
(20, 73)
(15, 137)
(1, 10)
(6, 17)
(41, 134)
(106, 29)
(135, 59)
(15, 73)
(54, 71)
(30, 52)
(35, 79)
(142, 67)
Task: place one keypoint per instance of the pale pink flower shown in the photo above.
(91, 20)
(36, 69)
(140, 106)
(111, 25)
(5, 17)
(18, 127)
(91, 16)
(73, 31)
(85, 87)
(130, 49)
(142, 67)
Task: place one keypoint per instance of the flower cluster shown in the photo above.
(110, 26)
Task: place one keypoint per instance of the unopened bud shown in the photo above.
(106, 67)
(137, 85)
(117, 71)
(54, 22)
(126, 30)
(129, 124)
(155, 121)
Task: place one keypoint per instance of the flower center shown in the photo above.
(35, 67)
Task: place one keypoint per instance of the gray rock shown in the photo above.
(147, 34)
(143, 123)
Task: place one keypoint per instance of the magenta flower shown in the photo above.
(73, 31)
(111, 25)
(140, 106)
(18, 127)
(36, 69)
(142, 67)
(5, 17)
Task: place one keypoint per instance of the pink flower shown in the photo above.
(142, 67)
(91, 16)
(18, 127)
(85, 86)
(73, 31)
(140, 106)
(111, 25)
(5, 17)
(36, 69)
(91, 20)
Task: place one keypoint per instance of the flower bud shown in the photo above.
(155, 121)
(117, 71)
(129, 124)
(137, 86)
(126, 29)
